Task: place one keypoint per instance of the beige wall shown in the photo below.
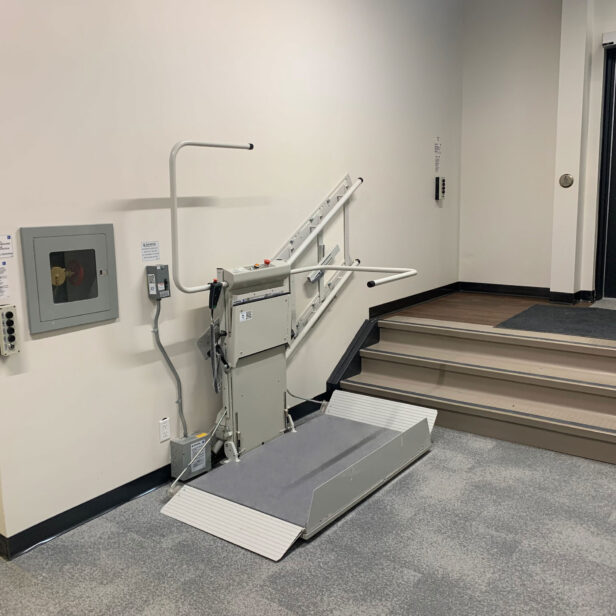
(510, 92)
(517, 225)
(571, 139)
(95, 94)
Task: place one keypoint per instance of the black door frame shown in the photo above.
(608, 150)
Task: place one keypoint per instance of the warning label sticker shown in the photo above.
(245, 315)
(5, 292)
(199, 463)
(6, 246)
(150, 250)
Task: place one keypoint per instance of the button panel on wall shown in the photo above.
(9, 339)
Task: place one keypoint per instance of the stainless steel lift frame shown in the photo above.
(282, 483)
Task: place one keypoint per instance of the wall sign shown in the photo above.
(150, 250)
(6, 246)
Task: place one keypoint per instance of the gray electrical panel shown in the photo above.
(70, 275)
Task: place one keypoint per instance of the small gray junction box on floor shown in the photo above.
(183, 450)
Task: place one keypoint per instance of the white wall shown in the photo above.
(571, 140)
(95, 94)
(511, 101)
(510, 91)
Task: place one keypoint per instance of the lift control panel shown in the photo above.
(9, 339)
(157, 280)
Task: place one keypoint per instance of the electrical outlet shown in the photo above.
(164, 429)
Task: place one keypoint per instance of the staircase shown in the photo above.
(550, 391)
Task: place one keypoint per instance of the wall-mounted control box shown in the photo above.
(157, 280)
(70, 275)
(439, 188)
(9, 337)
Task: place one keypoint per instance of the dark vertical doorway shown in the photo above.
(605, 268)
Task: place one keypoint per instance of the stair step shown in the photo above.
(515, 369)
(485, 333)
(571, 411)
(567, 430)
(546, 390)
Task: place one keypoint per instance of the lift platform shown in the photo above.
(280, 483)
(299, 482)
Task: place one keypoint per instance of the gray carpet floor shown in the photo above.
(477, 526)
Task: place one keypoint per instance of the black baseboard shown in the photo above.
(572, 298)
(26, 539)
(562, 298)
(4, 547)
(542, 292)
(586, 296)
(504, 289)
(411, 300)
(350, 363)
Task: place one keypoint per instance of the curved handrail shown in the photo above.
(175, 257)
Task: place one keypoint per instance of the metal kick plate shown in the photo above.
(248, 528)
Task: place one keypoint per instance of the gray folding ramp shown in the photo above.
(300, 482)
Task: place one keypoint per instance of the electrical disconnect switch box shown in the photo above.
(9, 340)
(183, 450)
(157, 277)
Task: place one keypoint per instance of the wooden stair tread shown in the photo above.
(508, 336)
(572, 418)
(501, 367)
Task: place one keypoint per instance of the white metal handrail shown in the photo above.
(323, 223)
(322, 308)
(400, 272)
(175, 257)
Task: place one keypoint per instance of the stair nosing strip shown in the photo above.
(507, 337)
(563, 422)
(503, 371)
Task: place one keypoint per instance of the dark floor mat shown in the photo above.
(586, 322)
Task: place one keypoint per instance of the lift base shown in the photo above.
(300, 482)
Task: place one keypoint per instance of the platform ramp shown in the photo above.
(298, 483)
(248, 528)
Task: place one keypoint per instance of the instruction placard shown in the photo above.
(150, 250)
(5, 292)
(199, 463)
(6, 246)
